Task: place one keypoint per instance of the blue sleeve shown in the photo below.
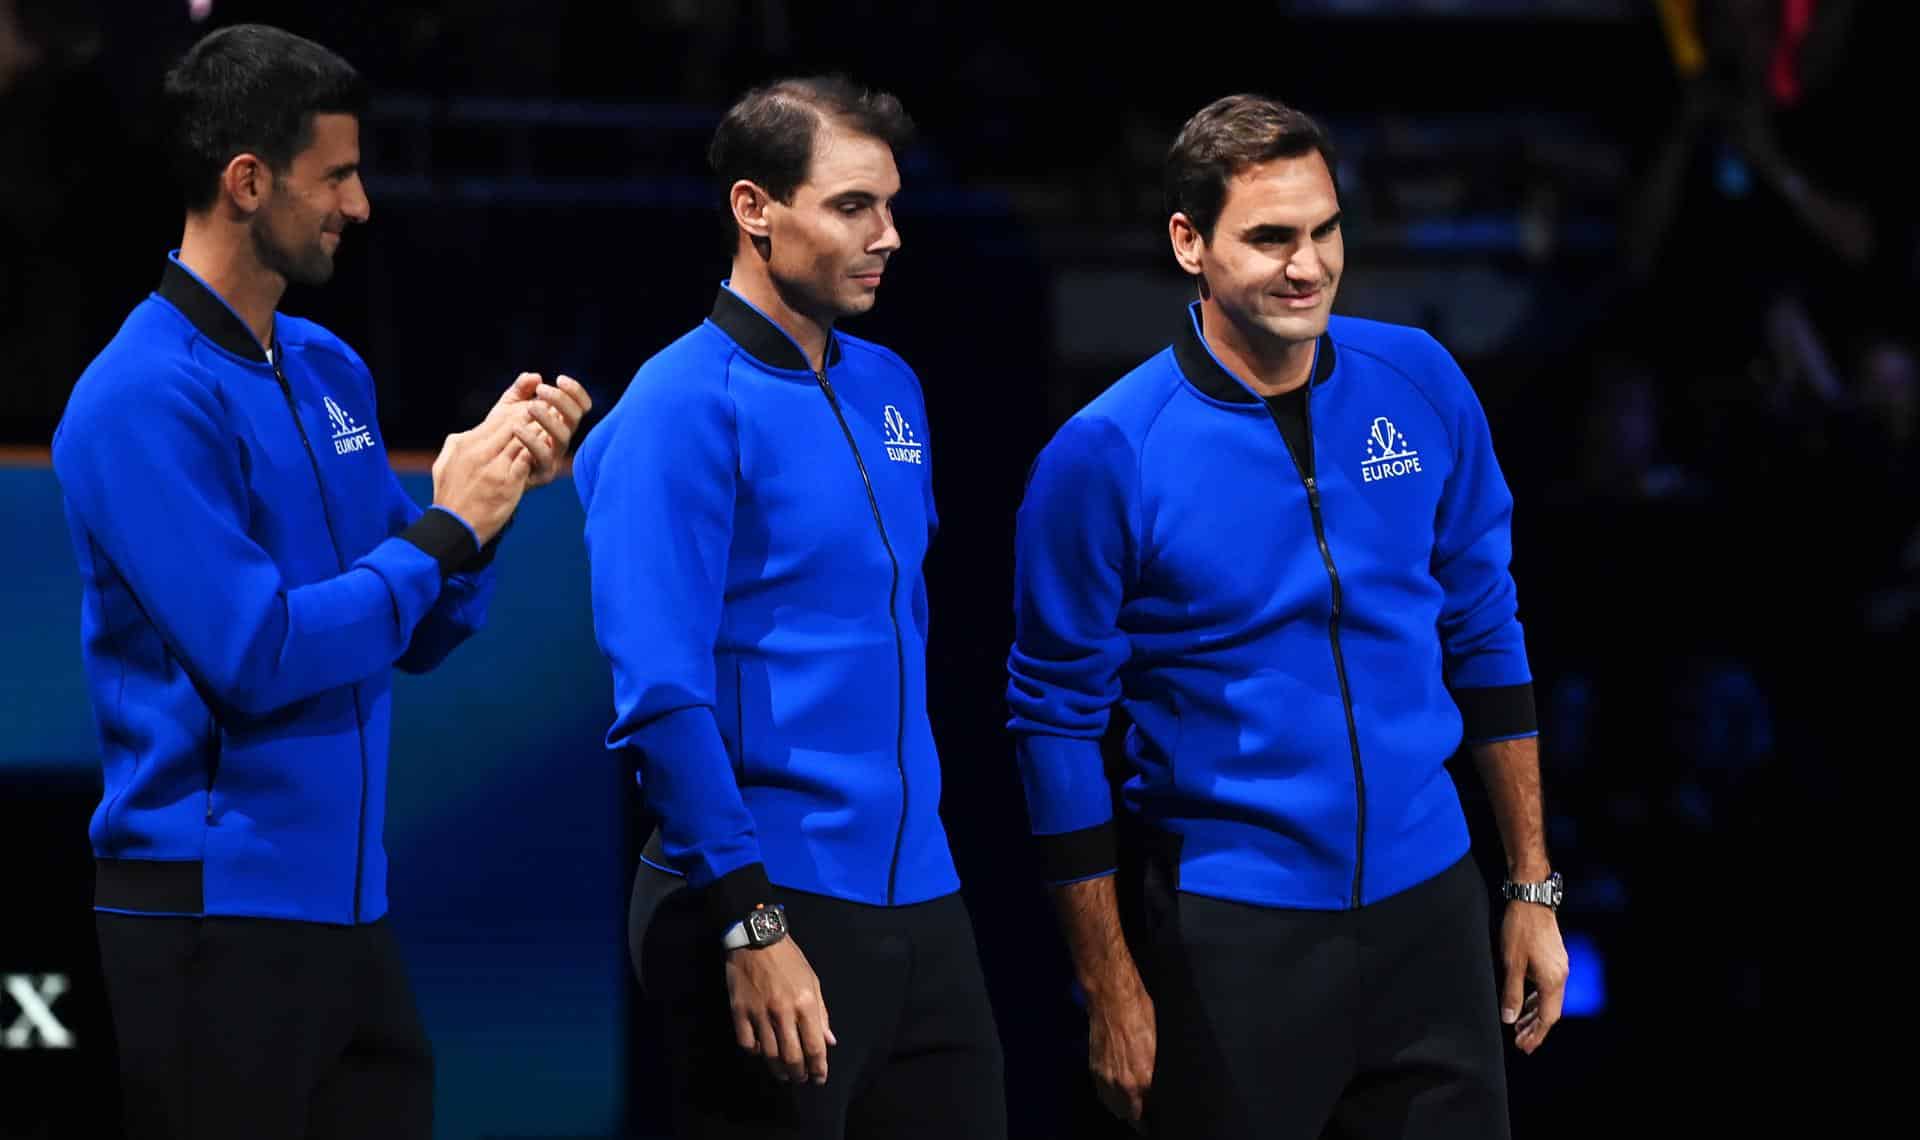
(1480, 634)
(462, 607)
(1074, 550)
(659, 498)
(151, 472)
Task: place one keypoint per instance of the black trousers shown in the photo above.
(264, 1029)
(1367, 1024)
(918, 1053)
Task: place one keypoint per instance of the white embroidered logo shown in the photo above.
(901, 446)
(348, 436)
(1388, 453)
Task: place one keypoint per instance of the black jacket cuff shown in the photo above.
(1498, 712)
(733, 894)
(445, 538)
(1074, 855)
(485, 558)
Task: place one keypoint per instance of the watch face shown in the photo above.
(765, 925)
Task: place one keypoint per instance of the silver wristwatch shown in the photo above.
(1547, 894)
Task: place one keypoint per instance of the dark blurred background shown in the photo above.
(1668, 240)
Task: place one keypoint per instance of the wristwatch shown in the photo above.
(1547, 894)
(764, 925)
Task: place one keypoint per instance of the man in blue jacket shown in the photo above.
(252, 571)
(1282, 546)
(758, 507)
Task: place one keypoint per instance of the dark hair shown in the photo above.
(767, 137)
(1226, 137)
(250, 89)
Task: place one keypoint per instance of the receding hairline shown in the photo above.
(830, 128)
(825, 119)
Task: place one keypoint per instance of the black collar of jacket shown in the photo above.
(1210, 377)
(764, 341)
(187, 293)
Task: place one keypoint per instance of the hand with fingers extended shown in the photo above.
(555, 410)
(778, 1010)
(480, 475)
(1531, 950)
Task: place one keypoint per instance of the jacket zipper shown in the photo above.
(899, 646)
(1306, 471)
(333, 539)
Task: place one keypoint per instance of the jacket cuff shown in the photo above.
(485, 558)
(1497, 712)
(1074, 855)
(445, 537)
(733, 894)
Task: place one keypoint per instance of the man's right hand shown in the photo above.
(1121, 1035)
(1121, 1043)
(778, 1011)
(480, 475)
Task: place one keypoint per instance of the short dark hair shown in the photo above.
(250, 89)
(767, 136)
(1226, 137)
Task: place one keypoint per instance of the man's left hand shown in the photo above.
(1531, 950)
(556, 409)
